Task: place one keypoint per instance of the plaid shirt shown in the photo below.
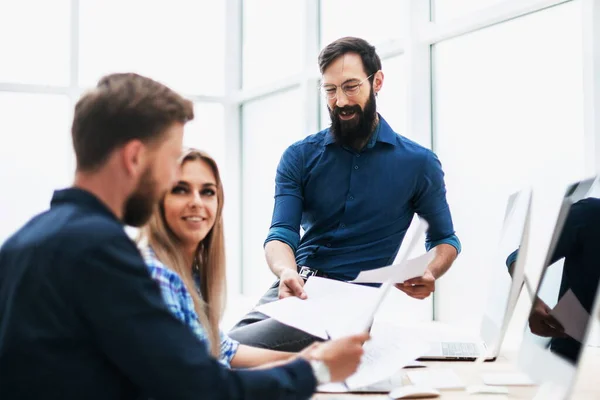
(180, 303)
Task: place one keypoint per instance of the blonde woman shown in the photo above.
(183, 247)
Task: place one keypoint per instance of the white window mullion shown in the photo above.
(591, 84)
(311, 77)
(418, 73)
(434, 32)
(232, 211)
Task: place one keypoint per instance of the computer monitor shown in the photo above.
(503, 290)
(562, 302)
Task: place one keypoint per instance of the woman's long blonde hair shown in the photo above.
(209, 259)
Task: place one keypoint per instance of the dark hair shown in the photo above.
(370, 59)
(121, 108)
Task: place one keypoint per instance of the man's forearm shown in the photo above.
(445, 255)
(279, 257)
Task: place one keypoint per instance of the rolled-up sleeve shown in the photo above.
(287, 212)
(430, 204)
(228, 348)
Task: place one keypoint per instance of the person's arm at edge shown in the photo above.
(252, 357)
(445, 254)
(430, 204)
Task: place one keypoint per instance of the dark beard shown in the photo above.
(355, 132)
(139, 206)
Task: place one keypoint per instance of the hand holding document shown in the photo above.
(331, 306)
(389, 349)
(397, 273)
(402, 269)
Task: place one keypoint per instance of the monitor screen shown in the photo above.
(562, 302)
(502, 290)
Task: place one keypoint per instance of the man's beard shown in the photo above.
(140, 204)
(354, 132)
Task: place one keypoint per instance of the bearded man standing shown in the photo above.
(354, 188)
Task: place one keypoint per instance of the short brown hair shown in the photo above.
(121, 108)
(370, 59)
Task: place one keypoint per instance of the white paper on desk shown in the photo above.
(572, 316)
(397, 273)
(330, 307)
(388, 351)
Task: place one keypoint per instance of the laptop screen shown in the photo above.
(559, 317)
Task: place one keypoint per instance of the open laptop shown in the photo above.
(503, 293)
(567, 294)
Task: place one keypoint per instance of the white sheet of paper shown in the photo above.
(296, 313)
(439, 378)
(402, 268)
(364, 314)
(388, 351)
(331, 307)
(397, 273)
(571, 314)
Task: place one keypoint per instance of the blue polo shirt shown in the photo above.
(356, 206)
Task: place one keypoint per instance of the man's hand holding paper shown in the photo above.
(420, 287)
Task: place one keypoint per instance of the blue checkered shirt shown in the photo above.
(180, 303)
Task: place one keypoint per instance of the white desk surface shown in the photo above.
(587, 386)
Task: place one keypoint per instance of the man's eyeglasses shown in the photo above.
(350, 88)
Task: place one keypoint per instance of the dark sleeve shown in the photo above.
(289, 198)
(431, 205)
(577, 217)
(567, 240)
(123, 308)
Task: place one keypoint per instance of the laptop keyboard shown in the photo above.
(458, 349)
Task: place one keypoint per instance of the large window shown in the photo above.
(379, 22)
(391, 100)
(34, 42)
(273, 40)
(449, 9)
(207, 132)
(270, 125)
(36, 156)
(180, 43)
(51, 51)
(507, 112)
